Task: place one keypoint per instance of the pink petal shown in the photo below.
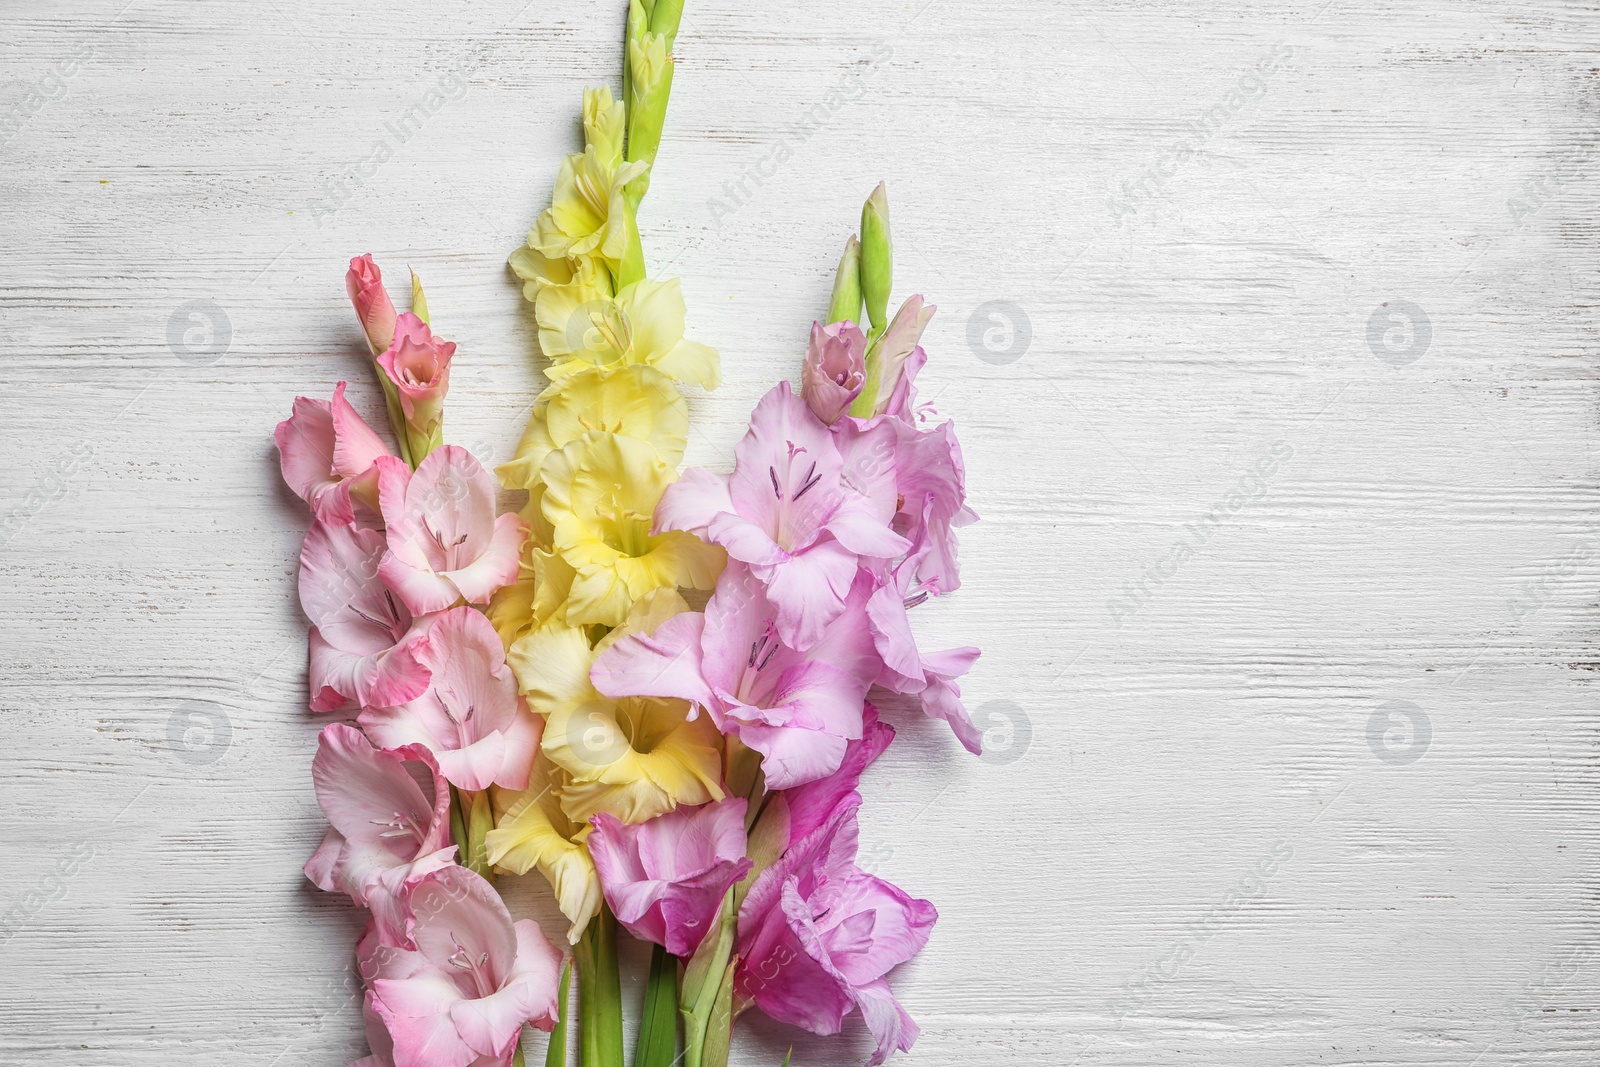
(305, 446)
(745, 540)
(810, 805)
(691, 502)
(363, 791)
(356, 447)
(497, 566)
(792, 757)
(809, 590)
(891, 1026)
(786, 450)
(416, 1012)
(337, 677)
(457, 910)
(665, 663)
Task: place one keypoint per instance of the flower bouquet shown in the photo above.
(531, 690)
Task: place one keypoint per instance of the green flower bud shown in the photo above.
(846, 303)
(649, 85)
(877, 256)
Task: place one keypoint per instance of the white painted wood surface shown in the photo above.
(1323, 792)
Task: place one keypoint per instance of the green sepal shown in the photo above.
(419, 302)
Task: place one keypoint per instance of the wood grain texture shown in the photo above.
(1310, 781)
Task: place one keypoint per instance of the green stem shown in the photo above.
(479, 819)
(556, 1054)
(632, 268)
(458, 827)
(599, 993)
(658, 1026)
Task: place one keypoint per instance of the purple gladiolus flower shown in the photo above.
(665, 878)
(817, 935)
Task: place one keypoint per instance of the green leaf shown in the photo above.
(658, 1025)
(599, 993)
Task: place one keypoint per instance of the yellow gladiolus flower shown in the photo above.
(604, 122)
(638, 402)
(588, 215)
(600, 492)
(537, 598)
(642, 324)
(634, 757)
(538, 270)
(531, 831)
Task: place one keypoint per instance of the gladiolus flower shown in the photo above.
(633, 757)
(386, 832)
(532, 831)
(808, 806)
(471, 718)
(364, 282)
(472, 981)
(445, 543)
(834, 369)
(599, 492)
(788, 513)
(418, 363)
(665, 878)
(799, 709)
(643, 324)
(588, 213)
(364, 644)
(817, 935)
(638, 402)
(603, 125)
(329, 455)
(931, 676)
(894, 361)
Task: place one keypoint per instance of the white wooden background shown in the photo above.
(1324, 792)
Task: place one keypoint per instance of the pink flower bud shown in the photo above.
(373, 307)
(834, 370)
(419, 365)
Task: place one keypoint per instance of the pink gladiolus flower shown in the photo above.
(472, 980)
(931, 480)
(386, 831)
(471, 718)
(363, 645)
(665, 878)
(364, 282)
(797, 708)
(834, 370)
(419, 365)
(787, 513)
(932, 676)
(817, 935)
(808, 806)
(329, 456)
(899, 357)
(382, 1045)
(445, 543)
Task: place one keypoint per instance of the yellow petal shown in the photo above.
(532, 832)
(637, 402)
(552, 668)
